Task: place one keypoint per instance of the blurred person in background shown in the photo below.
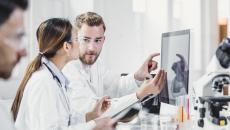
(11, 51)
(11, 33)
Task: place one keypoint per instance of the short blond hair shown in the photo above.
(89, 18)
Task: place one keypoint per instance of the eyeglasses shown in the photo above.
(87, 40)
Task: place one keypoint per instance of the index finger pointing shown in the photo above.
(153, 55)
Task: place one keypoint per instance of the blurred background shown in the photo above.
(134, 29)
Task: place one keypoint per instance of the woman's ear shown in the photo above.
(66, 46)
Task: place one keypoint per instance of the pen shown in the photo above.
(150, 96)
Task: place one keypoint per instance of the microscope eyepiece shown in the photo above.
(226, 44)
(223, 53)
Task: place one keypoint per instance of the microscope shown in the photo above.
(215, 106)
(212, 89)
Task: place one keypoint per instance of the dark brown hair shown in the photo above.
(51, 35)
(8, 6)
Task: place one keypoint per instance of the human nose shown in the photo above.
(92, 46)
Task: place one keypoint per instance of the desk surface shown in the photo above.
(188, 125)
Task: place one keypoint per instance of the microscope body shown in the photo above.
(212, 109)
(213, 85)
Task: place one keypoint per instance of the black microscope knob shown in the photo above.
(216, 83)
(201, 123)
(220, 88)
(202, 112)
(195, 108)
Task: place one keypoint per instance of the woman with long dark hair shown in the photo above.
(41, 102)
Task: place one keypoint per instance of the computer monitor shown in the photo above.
(175, 61)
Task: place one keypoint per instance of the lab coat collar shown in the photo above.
(64, 81)
(85, 66)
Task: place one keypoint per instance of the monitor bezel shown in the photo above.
(176, 33)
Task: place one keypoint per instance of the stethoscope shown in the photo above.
(55, 77)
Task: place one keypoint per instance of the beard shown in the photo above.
(7, 68)
(89, 58)
(6, 72)
(9, 57)
(7, 64)
(5, 75)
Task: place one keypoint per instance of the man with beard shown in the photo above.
(89, 79)
(11, 33)
(11, 50)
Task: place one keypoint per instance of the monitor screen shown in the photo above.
(175, 61)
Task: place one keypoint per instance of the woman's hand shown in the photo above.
(153, 85)
(101, 106)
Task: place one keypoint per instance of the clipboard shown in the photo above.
(128, 113)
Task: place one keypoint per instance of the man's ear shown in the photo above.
(103, 39)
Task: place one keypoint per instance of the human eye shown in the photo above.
(85, 40)
(98, 41)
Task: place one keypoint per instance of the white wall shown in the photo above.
(131, 35)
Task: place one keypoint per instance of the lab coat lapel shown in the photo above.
(92, 76)
(85, 71)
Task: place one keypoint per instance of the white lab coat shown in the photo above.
(43, 106)
(6, 119)
(90, 81)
